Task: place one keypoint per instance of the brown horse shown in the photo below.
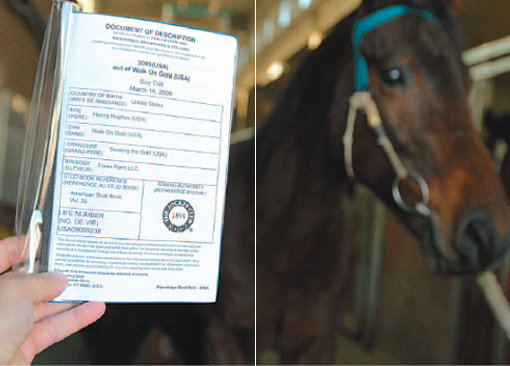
(221, 333)
(419, 84)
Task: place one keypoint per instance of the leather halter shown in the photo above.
(362, 99)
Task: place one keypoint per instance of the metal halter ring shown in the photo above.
(420, 207)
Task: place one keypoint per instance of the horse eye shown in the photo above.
(392, 76)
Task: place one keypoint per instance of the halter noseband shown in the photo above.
(362, 99)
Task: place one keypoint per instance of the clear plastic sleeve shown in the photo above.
(35, 191)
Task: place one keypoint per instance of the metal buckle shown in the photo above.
(421, 206)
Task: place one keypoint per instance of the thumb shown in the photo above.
(42, 286)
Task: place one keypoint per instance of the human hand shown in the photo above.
(28, 326)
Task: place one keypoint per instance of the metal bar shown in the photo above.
(375, 266)
(487, 51)
(500, 339)
(456, 293)
(490, 69)
(362, 268)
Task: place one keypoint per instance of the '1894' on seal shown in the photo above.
(178, 216)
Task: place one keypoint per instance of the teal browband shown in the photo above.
(369, 23)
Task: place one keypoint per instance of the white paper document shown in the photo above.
(142, 157)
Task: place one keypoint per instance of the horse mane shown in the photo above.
(304, 106)
(305, 103)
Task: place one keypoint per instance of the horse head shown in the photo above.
(409, 62)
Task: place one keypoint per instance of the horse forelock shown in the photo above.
(433, 40)
(438, 46)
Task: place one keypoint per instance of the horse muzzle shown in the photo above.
(477, 244)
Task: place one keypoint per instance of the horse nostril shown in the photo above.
(474, 240)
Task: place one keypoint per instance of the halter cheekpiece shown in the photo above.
(362, 99)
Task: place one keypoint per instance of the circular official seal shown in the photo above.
(178, 216)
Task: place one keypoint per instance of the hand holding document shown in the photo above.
(28, 326)
(131, 174)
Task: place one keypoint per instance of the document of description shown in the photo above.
(142, 158)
